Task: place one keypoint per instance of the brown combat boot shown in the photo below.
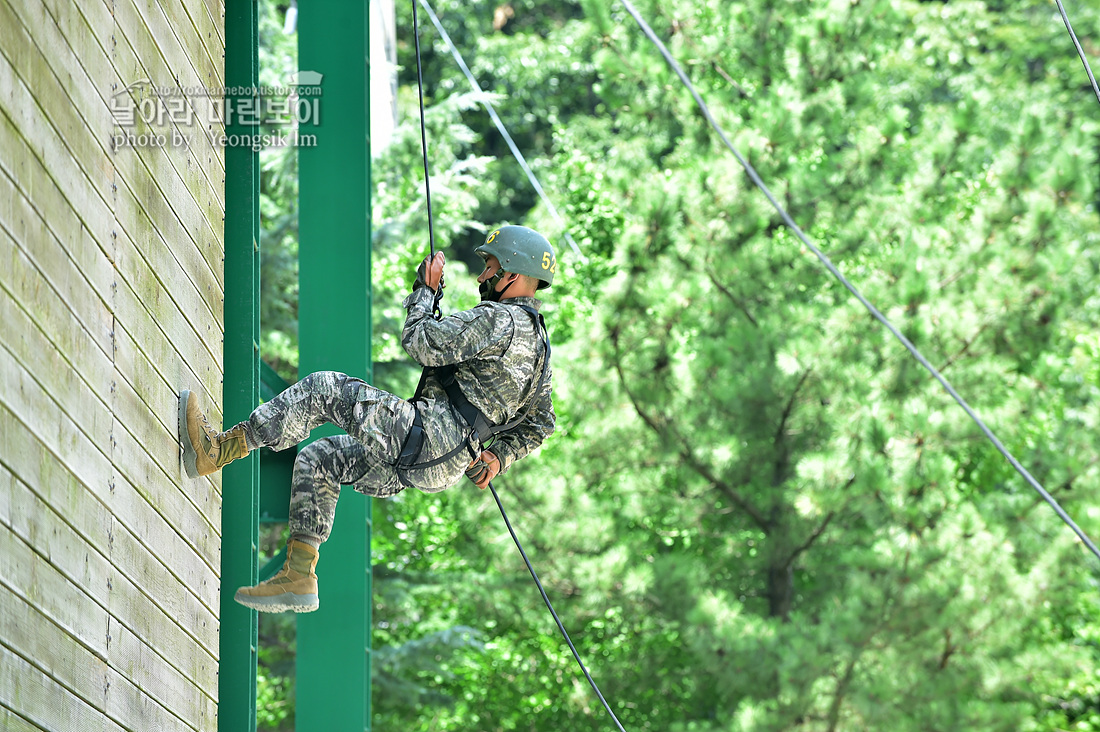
(294, 588)
(204, 450)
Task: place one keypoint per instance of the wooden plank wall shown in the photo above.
(110, 301)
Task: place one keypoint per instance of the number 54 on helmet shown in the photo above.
(523, 251)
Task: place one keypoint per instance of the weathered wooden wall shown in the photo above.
(110, 301)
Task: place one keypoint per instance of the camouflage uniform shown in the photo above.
(499, 357)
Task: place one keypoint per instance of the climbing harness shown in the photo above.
(851, 288)
(481, 427)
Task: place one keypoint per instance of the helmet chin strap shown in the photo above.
(488, 288)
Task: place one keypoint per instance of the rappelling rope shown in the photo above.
(423, 132)
(851, 288)
(551, 608)
(483, 98)
(504, 515)
(1080, 51)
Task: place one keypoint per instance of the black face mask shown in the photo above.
(488, 288)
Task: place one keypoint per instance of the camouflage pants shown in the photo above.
(376, 423)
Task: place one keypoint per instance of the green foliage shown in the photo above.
(400, 236)
(274, 701)
(758, 512)
(278, 209)
(275, 697)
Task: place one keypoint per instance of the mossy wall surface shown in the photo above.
(111, 300)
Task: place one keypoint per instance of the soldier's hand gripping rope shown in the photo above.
(430, 274)
(483, 469)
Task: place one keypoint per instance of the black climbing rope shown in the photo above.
(504, 515)
(1080, 51)
(851, 288)
(546, 600)
(423, 132)
(499, 124)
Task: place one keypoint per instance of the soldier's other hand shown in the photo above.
(483, 469)
(430, 272)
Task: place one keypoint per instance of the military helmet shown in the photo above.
(522, 251)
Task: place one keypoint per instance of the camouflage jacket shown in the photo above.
(498, 353)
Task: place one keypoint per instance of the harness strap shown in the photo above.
(414, 441)
(480, 425)
(474, 417)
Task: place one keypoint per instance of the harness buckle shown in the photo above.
(414, 441)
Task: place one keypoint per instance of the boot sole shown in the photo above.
(279, 603)
(190, 457)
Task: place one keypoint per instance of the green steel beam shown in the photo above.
(276, 468)
(270, 381)
(333, 660)
(241, 387)
(273, 565)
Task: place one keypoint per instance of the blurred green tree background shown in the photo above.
(757, 512)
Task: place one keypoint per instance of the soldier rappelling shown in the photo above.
(484, 401)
